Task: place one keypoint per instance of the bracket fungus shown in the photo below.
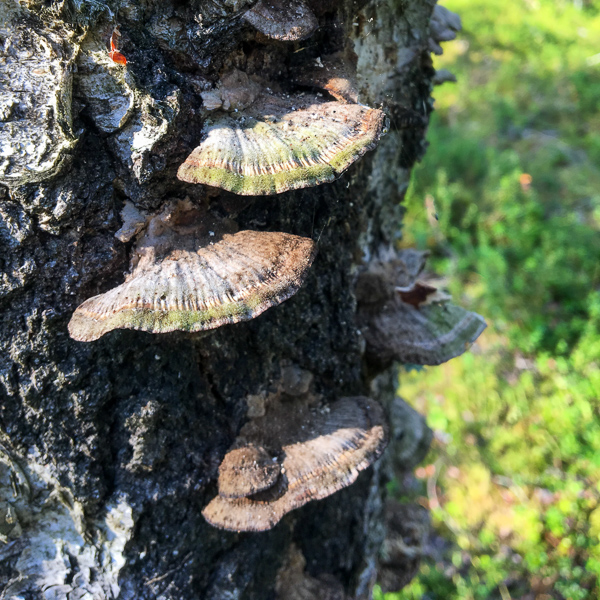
(283, 20)
(282, 143)
(189, 274)
(408, 320)
(316, 454)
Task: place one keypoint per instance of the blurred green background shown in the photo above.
(508, 201)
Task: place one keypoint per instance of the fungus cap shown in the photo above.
(284, 20)
(188, 277)
(282, 143)
(247, 471)
(321, 455)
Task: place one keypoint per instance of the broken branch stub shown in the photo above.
(283, 20)
(282, 143)
(335, 74)
(189, 276)
(321, 452)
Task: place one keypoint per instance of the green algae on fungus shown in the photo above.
(321, 452)
(281, 144)
(191, 279)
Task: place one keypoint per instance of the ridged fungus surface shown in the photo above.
(283, 20)
(320, 453)
(282, 143)
(188, 276)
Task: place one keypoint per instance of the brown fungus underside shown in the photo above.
(410, 321)
(190, 275)
(320, 452)
(282, 143)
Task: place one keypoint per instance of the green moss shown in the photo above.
(162, 321)
(259, 185)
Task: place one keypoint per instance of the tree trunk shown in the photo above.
(110, 449)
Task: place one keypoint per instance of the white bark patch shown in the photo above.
(35, 103)
(102, 86)
(139, 140)
(42, 524)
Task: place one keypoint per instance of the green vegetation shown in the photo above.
(508, 201)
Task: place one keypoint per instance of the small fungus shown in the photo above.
(294, 582)
(416, 294)
(284, 20)
(282, 143)
(246, 471)
(235, 92)
(408, 320)
(134, 221)
(384, 276)
(185, 279)
(322, 452)
(443, 76)
(407, 531)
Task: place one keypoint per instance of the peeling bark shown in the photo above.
(110, 449)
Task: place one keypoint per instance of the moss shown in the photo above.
(259, 185)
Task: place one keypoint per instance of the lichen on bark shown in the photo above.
(111, 449)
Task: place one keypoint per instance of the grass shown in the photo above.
(508, 201)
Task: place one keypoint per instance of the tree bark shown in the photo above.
(110, 449)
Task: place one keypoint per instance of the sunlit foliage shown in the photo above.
(508, 201)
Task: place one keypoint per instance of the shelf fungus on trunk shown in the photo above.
(190, 274)
(282, 143)
(283, 20)
(408, 320)
(316, 453)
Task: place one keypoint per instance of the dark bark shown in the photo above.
(110, 449)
